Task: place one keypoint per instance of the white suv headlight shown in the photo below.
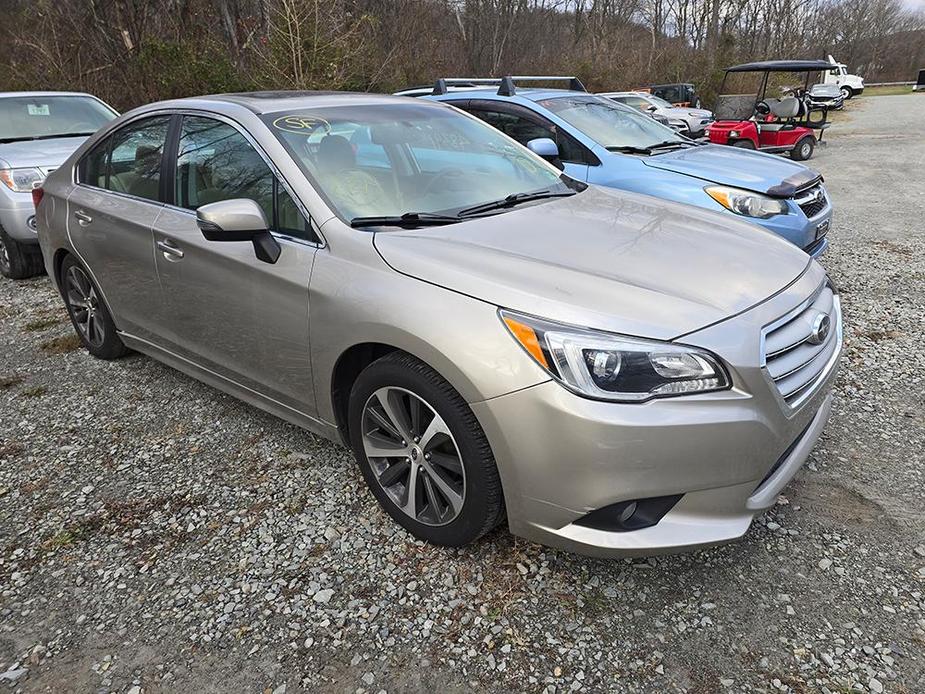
(606, 366)
(746, 202)
(21, 180)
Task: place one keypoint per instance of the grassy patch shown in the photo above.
(63, 538)
(9, 381)
(890, 90)
(61, 345)
(34, 392)
(34, 326)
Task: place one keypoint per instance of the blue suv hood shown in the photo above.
(731, 166)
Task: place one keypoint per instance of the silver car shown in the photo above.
(38, 131)
(603, 371)
(691, 122)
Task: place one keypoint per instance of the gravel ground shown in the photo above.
(157, 535)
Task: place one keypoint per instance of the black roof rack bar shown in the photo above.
(506, 84)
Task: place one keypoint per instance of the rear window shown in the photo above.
(46, 117)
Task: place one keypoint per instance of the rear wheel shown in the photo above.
(744, 144)
(89, 315)
(19, 260)
(422, 452)
(803, 149)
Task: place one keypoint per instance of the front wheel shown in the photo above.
(744, 144)
(422, 452)
(847, 92)
(18, 260)
(803, 149)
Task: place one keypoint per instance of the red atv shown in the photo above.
(754, 121)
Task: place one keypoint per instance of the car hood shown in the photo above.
(42, 153)
(605, 258)
(732, 166)
(681, 112)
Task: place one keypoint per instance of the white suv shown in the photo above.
(687, 121)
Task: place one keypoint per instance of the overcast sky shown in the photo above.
(915, 4)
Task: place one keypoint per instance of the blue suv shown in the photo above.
(597, 140)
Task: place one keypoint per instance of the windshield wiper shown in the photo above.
(514, 199)
(672, 143)
(28, 138)
(629, 149)
(407, 220)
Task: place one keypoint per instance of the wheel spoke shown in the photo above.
(389, 399)
(453, 498)
(380, 447)
(382, 420)
(446, 461)
(394, 473)
(411, 493)
(417, 413)
(438, 509)
(436, 426)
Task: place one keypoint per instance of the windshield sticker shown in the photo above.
(301, 125)
(38, 109)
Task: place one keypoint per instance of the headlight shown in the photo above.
(21, 180)
(747, 203)
(606, 366)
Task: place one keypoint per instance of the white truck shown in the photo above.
(850, 85)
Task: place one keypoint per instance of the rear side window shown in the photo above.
(216, 162)
(129, 160)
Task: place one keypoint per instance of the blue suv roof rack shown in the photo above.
(506, 86)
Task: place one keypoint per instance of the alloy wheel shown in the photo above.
(85, 306)
(413, 456)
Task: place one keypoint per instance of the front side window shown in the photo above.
(216, 162)
(523, 130)
(390, 159)
(610, 124)
(129, 161)
(48, 117)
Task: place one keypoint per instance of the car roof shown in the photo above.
(4, 95)
(274, 101)
(529, 93)
(641, 94)
(782, 66)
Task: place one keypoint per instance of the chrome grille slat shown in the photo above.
(811, 203)
(793, 363)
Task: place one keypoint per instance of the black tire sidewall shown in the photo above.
(797, 151)
(112, 346)
(25, 259)
(743, 144)
(480, 510)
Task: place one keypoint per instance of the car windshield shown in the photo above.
(610, 124)
(45, 117)
(409, 158)
(661, 103)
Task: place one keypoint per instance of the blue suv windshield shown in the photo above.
(410, 159)
(610, 124)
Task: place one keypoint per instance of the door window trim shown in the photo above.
(472, 106)
(170, 203)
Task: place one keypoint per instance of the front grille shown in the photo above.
(794, 357)
(812, 201)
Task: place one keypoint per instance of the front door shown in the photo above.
(110, 216)
(245, 319)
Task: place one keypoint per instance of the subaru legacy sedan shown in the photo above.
(38, 131)
(603, 371)
(600, 141)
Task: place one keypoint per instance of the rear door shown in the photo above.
(242, 318)
(111, 212)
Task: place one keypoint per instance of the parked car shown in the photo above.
(38, 131)
(678, 93)
(849, 85)
(828, 95)
(609, 372)
(606, 143)
(687, 121)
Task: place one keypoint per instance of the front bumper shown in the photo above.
(562, 456)
(17, 216)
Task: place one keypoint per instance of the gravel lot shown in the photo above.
(157, 535)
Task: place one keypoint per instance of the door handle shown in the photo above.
(83, 219)
(168, 249)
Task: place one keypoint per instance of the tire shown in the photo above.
(387, 388)
(88, 313)
(803, 149)
(19, 260)
(847, 92)
(744, 144)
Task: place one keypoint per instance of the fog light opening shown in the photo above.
(31, 223)
(625, 516)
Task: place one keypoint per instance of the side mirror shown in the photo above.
(546, 148)
(652, 108)
(240, 219)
